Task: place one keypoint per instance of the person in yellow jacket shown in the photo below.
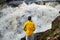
(29, 28)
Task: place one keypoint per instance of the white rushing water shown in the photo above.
(12, 20)
(57, 6)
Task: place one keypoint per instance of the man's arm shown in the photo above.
(34, 28)
(24, 26)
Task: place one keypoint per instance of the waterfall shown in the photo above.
(12, 20)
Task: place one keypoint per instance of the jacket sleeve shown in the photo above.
(24, 26)
(34, 28)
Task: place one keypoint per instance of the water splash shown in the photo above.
(12, 21)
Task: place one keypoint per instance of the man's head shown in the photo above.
(29, 18)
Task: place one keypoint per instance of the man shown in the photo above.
(29, 28)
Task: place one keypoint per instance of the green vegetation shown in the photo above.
(2, 1)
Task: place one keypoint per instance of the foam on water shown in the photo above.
(12, 21)
(58, 7)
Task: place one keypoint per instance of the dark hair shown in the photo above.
(29, 18)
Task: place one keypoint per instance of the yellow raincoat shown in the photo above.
(29, 27)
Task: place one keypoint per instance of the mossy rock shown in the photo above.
(2, 1)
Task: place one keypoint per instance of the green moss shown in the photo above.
(2, 1)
